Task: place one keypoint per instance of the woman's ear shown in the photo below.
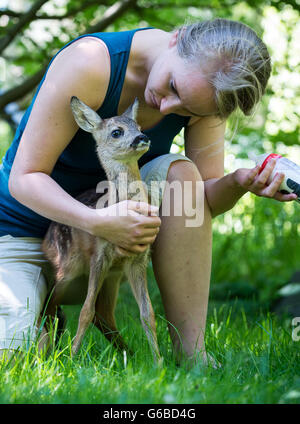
(173, 40)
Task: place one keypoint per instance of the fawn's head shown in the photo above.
(118, 138)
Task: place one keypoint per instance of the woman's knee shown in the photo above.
(184, 195)
(183, 170)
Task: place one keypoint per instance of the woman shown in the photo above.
(194, 78)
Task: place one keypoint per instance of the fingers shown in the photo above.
(267, 171)
(143, 208)
(142, 248)
(146, 233)
(272, 190)
(252, 175)
(144, 236)
(132, 250)
(246, 177)
(285, 197)
(139, 243)
(150, 222)
(262, 184)
(154, 223)
(274, 186)
(263, 177)
(147, 240)
(123, 252)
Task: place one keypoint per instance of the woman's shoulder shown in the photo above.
(82, 67)
(87, 52)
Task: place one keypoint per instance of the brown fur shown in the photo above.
(79, 256)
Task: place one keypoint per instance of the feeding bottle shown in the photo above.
(291, 171)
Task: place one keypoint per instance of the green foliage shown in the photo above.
(6, 135)
(259, 364)
(257, 244)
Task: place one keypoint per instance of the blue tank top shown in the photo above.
(78, 169)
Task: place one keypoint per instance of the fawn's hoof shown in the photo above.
(75, 349)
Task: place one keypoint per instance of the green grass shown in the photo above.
(260, 362)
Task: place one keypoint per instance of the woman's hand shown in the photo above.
(130, 225)
(261, 184)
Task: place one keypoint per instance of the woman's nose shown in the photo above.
(168, 105)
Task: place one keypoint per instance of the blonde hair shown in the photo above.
(233, 58)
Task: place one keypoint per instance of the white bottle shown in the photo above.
(291, 171)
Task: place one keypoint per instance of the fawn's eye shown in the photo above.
(117, 133)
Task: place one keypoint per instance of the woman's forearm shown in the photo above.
(39, 192)
(222, 193)
(130, 225)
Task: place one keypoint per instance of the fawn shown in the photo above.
(74, 253)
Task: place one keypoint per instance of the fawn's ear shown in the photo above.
(86, 118)
(131, 112)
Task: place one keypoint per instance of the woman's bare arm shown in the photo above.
(205, 146)
(204, 141)
(51, 126)
(81, 70)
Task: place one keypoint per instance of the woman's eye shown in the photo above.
(172, 86)
(117, 133)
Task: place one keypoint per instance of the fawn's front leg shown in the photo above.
(99, 265)
(137, 277)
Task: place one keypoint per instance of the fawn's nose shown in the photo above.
(140, 140)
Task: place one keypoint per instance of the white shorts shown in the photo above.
(24, 269)
(23, 289)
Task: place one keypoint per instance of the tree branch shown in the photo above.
(111, 14)
(69, 14)
(24, 20)
(16, 93)
(11, 13)
(8, 118)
